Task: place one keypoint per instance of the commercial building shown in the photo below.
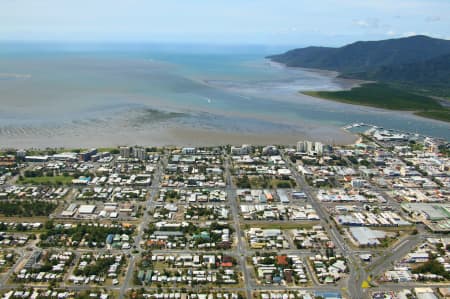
(125, 151)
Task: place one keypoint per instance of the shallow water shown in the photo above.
(51, 94)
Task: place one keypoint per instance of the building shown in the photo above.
(270, 151)
(36, 158)
(87, 155)
(356, 184)
(125, 151)
(384, 135)
(188, 150)
(301, 146)
(70, 211)
(245, 149)
(21, 154)
(425, 293)
(309, 147)
(282, 195)
(86, 209)
(367, 237)
(140, 153)
(65, 157)
(33, 260)
(7, 161)
(318, 148)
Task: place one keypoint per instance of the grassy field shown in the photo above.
(277, 183)
(261, 182)
(47, 180)
(386, 97)
(278, 225)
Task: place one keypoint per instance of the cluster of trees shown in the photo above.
(338, 161)
(243, 182)
(18, 227)
(173, 194)
(90, 234)
(50, 173)
(268, 260)
(192, 229)
(100, 267)
(415, 146)
(36, 173)
(283, 184)
(141, 293)
(263, 182)
(433, 267)
(27, 208)
(319, 183)
(310, 162)
(47, 264)
(355, 161)
(444, 149)
(199, 211)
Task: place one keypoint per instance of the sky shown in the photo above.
(268, 22)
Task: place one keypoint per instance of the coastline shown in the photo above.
(345, 83)
(432, 114)
(176, 136)
(265, 111)
(416, 113)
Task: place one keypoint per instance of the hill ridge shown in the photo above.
(417, 60)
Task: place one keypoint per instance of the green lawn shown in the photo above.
(287, 225)
(383, 96)
(47, 180)
(277, 183)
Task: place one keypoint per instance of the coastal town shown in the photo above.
(308, 220)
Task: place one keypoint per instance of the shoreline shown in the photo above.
(206, 125)
(355, 84)
(416, 113)
(346, 84)
(161, 137)
(167, 135)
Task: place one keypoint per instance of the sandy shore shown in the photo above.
(162, 136)
(209, 137)
(334, 75)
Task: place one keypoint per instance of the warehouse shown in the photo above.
(367, 237)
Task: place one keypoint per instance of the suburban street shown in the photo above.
(173, 196)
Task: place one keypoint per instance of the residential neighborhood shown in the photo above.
(310, 220)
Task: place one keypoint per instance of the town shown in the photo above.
(310, 220)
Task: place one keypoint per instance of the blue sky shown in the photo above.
(275, 22)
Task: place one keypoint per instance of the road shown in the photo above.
(241, 247)
(358, 273)
(126, 285)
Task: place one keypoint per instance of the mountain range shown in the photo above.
(418, 61)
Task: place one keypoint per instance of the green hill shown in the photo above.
(418, 61)
(433, 74)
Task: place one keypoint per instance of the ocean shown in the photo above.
(80, 95)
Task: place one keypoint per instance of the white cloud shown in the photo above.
(433, 19)
(390, 33)
(409, 33)
(367, 23)
(361, 23)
